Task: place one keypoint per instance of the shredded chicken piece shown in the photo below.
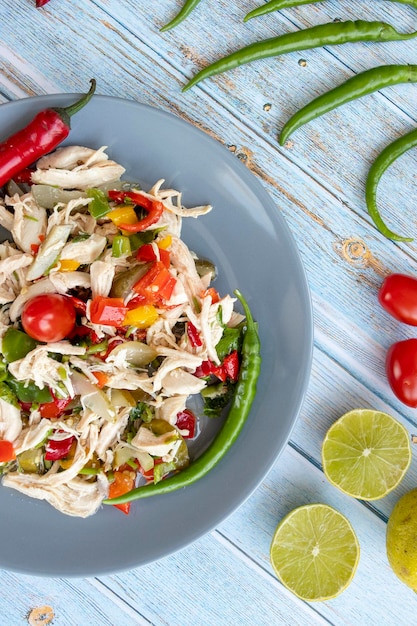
(170, 407)
(11, 279)
(6, 217)
(10, 421)
(72, 214)
(183, 262)
(85, 251)
(65, 170)
(110, 433)
(102, 274)
(45, 371)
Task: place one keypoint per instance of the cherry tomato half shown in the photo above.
(48, 317)
(398, 296)
(401, 368)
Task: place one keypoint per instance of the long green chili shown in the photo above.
(277, 5)
(242, 401)
(183, 13)
(332, 33)
(392, 152)
(356, 87)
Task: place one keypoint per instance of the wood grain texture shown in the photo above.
(317, 182)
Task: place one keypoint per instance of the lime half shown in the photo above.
(366, 453)
(315, 552)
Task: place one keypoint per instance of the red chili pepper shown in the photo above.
(58, 448)
(44, 133)
(41, 3)
(154, 208)
(193, 336)
(107, 311)
(147, 253)
(24, 176)
(186, 420)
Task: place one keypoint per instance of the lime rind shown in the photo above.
(366, 453)
(315, 552)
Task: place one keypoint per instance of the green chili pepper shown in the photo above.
(188, 6)
(277, 5)
(99, 205)
(381, 163)
(242, 401)
(360, 85)
(332, 33)
(16, 344)
(120, 246)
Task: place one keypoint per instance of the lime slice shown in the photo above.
(366, 453)
(315, 552)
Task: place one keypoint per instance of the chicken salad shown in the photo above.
(109, 324)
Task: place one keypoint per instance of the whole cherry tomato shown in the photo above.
(48, 317)
(398, 296)
(401, 368)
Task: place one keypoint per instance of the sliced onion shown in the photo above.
(125, 452)
(48, 196)
(93, 398)
(49, 251)
(121, 398)
(135, 353)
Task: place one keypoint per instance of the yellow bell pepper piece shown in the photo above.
(141, 317)
(68, 265)
(123, 215)
(165, 242)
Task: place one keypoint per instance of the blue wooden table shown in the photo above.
(317, 182)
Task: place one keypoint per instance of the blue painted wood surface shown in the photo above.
(317, 181)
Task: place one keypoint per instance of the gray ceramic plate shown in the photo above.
(253, 249)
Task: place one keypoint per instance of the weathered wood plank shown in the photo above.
(317, 184)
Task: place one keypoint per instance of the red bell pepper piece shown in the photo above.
(156, 285)
(149, 474)
(123, 482)
(193, 336)
(146, 253)
(79, 305)
(228, 369)
(213, 293)
(7, 452)
(186, 420)
(107, 311)
(231, 366)
(54, 409)
(154, 209)
(58, 448)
